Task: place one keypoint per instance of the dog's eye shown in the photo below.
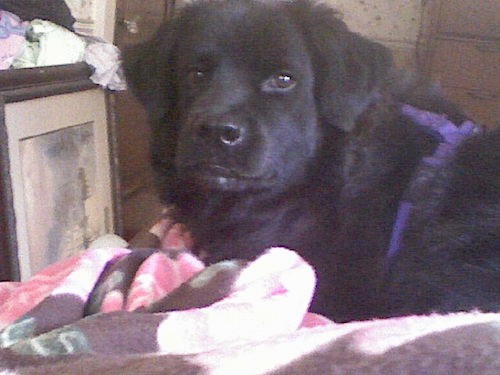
(279, 82)
(197, 75)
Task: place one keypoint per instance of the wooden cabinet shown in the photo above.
(464, 55)
(136, 21)
(56, 158)
(473, 18)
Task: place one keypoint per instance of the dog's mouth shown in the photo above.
(223, 177)
(223, 172)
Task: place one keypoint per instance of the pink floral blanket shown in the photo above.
(117, 311)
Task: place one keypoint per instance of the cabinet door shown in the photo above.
(470, 18)
(59, 172)
(482, 106)
(136, 21)
(469, 64)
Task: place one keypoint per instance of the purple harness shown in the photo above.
(450, 137)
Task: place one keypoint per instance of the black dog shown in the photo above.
(274, 125)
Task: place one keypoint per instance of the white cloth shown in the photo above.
(50, 44)
(105, 58)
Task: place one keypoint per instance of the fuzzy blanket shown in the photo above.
(117, 311)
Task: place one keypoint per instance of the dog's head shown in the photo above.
(240, 93)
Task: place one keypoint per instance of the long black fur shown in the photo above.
(318, 167)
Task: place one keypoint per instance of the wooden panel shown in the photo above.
(482, 107)
(24, 84)
(133, 141)
(138, 197)
(468, 18)
(146, 16)
(6, 251)
(467, 64)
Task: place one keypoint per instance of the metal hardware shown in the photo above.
(132, 25)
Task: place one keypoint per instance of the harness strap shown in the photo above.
(450, 137)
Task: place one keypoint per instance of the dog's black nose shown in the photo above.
(228, 134)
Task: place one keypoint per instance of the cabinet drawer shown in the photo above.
(481, 106)
(467, 64)
(468, 18)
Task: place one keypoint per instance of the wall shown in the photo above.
(105, 19)
(94, 17)
(395, 23)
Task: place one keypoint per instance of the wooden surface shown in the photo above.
(470, 18)
(139, 204)
(7, 257)
(460, 50)
(23, 84)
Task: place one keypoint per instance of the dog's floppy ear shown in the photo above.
(149, 70)
(349, 69)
